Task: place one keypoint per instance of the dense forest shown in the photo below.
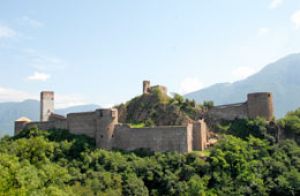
(246, 161)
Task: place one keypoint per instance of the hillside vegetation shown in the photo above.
(55, 162)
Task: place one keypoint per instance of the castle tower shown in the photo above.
(146, 87)
(47, 105)
(200, 135)
(20, 124)
(106, 121)
(260, 105)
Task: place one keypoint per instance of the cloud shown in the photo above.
(8, 94)
(39, 76)
(189, 84)
(6, 32)
(275, 4)
(263, 31)
(26, 20)
(242, 72)
(295, 18)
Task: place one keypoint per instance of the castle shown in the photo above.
(103, 125)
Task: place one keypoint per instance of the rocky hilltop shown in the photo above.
(158, 109)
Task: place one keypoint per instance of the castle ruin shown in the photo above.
(257, 105)
(104, 127)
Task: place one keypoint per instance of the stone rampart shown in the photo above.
(228, 112)
(82, 123)
(59, 124)
(156, 139)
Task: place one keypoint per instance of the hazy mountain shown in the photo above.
(80, 108)
(10, 111)
(282, 78)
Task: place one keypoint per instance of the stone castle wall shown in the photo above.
(257, 105)
(156, 139)
(82, 123)
(102, 125)
(228, 112)
(59, 124)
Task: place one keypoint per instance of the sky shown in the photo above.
(99, 52)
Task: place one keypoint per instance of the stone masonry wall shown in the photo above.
(228, 112)
(260, 104)
(200, 136)
(82, 123)
(59, 124)
(156, 139)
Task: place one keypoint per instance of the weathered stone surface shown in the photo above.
(257, 105)
(156, 139)
(47, 105)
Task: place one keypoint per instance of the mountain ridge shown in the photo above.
(280, 77)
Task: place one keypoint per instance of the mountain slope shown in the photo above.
(10, 111)
(282, 78)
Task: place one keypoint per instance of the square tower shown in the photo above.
(146, 87)
(47, 105)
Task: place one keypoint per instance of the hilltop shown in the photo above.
(158, 109)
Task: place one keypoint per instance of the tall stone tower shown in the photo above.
(260, 105)
(106, 121)
(47, 105)
(146, 87)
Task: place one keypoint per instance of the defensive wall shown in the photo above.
(154, 138)
(257, 105)
(103, 126)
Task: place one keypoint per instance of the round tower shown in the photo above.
(106, 121)
(260, 105)
(146, 87)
